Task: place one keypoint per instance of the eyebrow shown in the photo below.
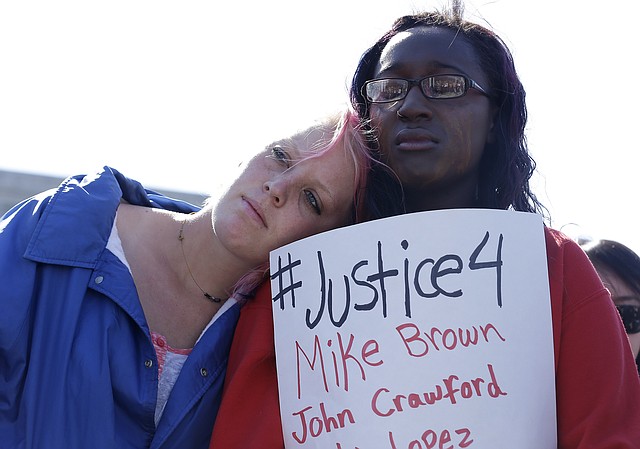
(284, 143)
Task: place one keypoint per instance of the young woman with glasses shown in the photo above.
(619, 269)
(444, 99)
(118, 305)
(447, 107)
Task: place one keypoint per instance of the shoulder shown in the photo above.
(573, 280)
(254, 332)
(591, 350)
(74, 220)
(71, 222)
(559, 245)
(565, 258)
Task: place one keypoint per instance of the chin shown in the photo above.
(414, 178)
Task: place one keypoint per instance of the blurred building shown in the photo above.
(16, 186)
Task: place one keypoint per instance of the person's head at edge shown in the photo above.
(619, 269)
(319, 173)
(468, 151)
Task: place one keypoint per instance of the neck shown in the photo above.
(172, 303)
(459, 194)
(205, 266)
(424, 201)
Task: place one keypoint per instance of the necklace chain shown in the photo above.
(209, 296)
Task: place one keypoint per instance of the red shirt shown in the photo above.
(597, 384)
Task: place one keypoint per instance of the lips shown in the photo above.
(415, 139)
(254, 210)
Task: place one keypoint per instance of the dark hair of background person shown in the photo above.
(506, 165)
(617, 258)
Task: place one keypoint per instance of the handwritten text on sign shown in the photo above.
(428, 330)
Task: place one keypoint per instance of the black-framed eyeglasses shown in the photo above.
(385, 90)
(630, 318)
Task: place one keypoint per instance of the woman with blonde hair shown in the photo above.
(118, 305)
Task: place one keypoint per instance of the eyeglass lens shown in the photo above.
(630, 318)
(437, 86)
(447, 86)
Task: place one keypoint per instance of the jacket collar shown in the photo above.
(76, 221)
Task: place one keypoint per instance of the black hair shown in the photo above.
(618, 259)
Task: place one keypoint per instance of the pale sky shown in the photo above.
(177, 94)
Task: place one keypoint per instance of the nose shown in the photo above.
(276, 189)
(415, 105)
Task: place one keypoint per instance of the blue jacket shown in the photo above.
(77, 365)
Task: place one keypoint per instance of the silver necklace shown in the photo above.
(209, 296)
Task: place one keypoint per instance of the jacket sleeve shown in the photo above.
(597, 384)
(249, 416)
(17, 273)
(17, 284)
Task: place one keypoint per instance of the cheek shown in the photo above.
(380, 121)
(305, 227)
(471, 133)
(293, 225)
(297, 226)
(469, 145)
(258, 169)
(376, 114)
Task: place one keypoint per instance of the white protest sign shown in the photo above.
(422, 331)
